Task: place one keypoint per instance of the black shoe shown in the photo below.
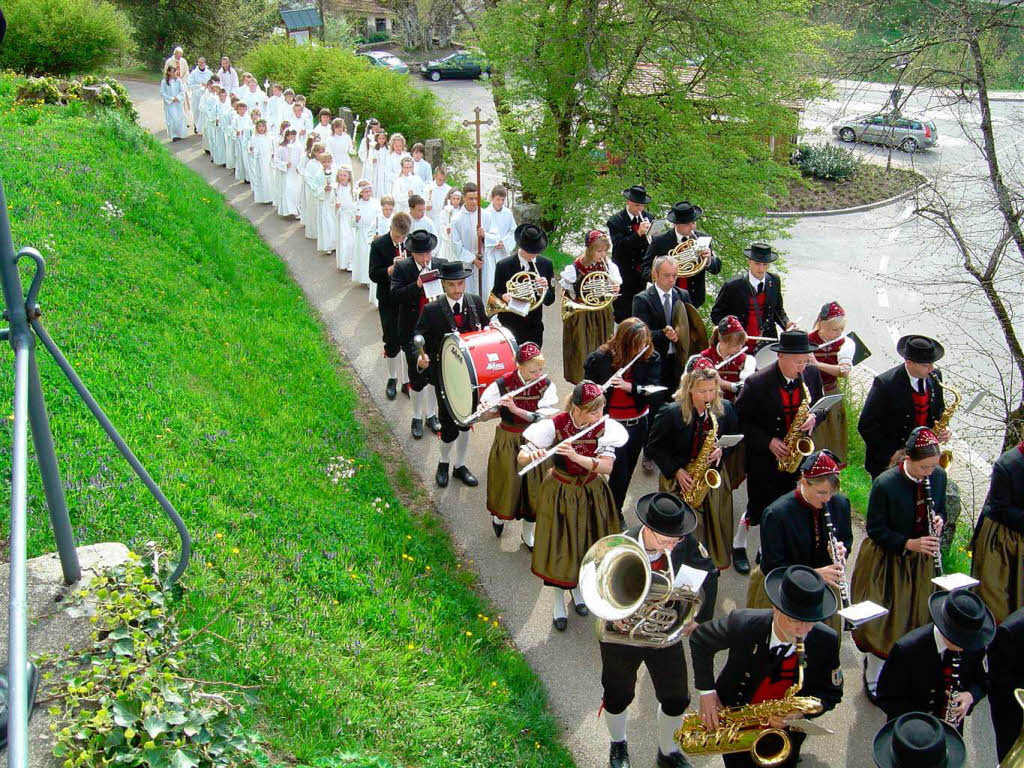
(417, 428)
(739, 560)
(872, 697)
(434, 424)
(405, 389)
(618, 756)
(675, 760)
(581, 609)
(391, 390)
(499, 528)
(528, 547)
(560, 624)
(467, 477)
(442, 475)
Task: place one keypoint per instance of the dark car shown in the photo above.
(464, 64)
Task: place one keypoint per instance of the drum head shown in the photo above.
(458, 383)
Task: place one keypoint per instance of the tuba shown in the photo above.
(595, 294)
(704, 476)
(523, 286)
(1015, 757)
(690, 259)
(799, 444)
(746, 729)
(620, 588)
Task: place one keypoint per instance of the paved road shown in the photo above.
(568, 663)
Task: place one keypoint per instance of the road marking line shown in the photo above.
(894, 333)
(883, 298)
(883, 264)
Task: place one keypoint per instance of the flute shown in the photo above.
(485, 407)
(929, 505)
(624, 368)
(551, 451)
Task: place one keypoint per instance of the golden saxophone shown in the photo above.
(748, 728)
(704, 476)
(940, 426)
(1015, 757)
(799, 444)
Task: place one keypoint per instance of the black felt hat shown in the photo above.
(793, 343)
(919, 349)
(637, 194)
(684, 212)
(918, 740)
(800, 593)
(531, 238)
(420, 241)
(667, 514)
(963, 619)
(453, 270)
(761, 252)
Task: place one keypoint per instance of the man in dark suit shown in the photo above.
(409, 298)
(627, 231)
(907, 396)
(762, 662)
(998, 544)
(655, 306)
(384, 252)
(940, 665)
(755, 297)
(454, 312)
(1005, 674)
(684, 217)
(530, 241)
(767, 405)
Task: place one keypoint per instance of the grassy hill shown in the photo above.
(345, 606)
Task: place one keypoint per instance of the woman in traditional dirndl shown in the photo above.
(727, 350)
(834, 358)
(586, 330)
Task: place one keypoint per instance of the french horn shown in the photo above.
(523, 286)
(690, 260)
(595, 294)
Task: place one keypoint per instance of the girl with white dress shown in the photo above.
(406, 184)
(383, 226)
(242, 130)
(339, 143)
(366, 145)
(452, 206)
(286, 159)
(377, 170)
(173, 94)
(277, 174)
(303, 126)
(218, 148)
(202, 115)
(393, 165)
(366, 212)
(323, 127)
(344, 217)
(312, 174)
(326, 224)
(227, 124)
(261, 152)
(250, 158)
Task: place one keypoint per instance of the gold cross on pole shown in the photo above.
(477, 122)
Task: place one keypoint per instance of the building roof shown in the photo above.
(303, 18)
(360, 6)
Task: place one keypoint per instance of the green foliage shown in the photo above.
(63, 37)
(339, 31)
(332, 78)
(102, 91)
(347, 607)
(826, 161)
(377, 37)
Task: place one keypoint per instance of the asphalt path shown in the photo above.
(567, 662)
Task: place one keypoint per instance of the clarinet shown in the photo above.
(929, 510)
(953, 690)
(833, 549)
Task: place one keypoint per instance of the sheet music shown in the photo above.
(431, 285)
(520, 307)
(953, 581)
(822, 405)
(728, 441)
(810, 727)
(689, 577)
(858, 613)
(703, 242)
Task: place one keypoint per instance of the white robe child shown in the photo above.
(277, 173)
(378, 170)
(464, 240)
(367, 212)
(256, 100)
(301, 125)
(241, 130)
(422, 169)
(261, 151)
(218, 149)
(402, 187)
(344, 215)
(326, 225)
(340, 147)
(435, 198)
(425, 224)
(273, 114)
(499, 230)
(294, 184)
(173, 95)
(392, 167)
(315, 180)
(446, 250)
(197, 81)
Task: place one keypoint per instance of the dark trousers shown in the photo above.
(765, 484)
(743, 759)
(626, 458)
(449, 429)
(666, 666)
(1007, 717)
(417, 379)
(632, 284)
(529, 328)
(389, 327)
(671, 373)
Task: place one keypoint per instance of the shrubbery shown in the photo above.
(104, 91)
(63, 37)
(826, 161)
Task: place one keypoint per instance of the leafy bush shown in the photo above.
(378, 37)
(104, 91)
(826, 162)
(64, 36)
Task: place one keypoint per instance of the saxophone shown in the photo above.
(746, 728)
(704, 477)
(942, 423)
(1015, 757)
(799, 444)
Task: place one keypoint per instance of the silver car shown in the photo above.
(908, 133)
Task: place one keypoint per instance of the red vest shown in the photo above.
(586, 446)
(527, 399)
(622, 405)
(755, 310)
(921, 408)
(769, 689)
(828, 352)
(730, 371)
(791, 399)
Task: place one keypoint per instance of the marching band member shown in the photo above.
(754, 297)
(627, 231)
(794, 531)
(907, 396)
(576, 504)
(918, 739)
(531, 240)
(585, 330)
(728, 340)
(767, 405)
(762, 662)
(684, 216)
(407, 293)
(998, 545)
(386, 251)
(677, 438)
(938, 667)
(655, 306)
(666, 525)
(626, 401)
(896, 562)
(509, 496)
(1005, 675)
(834, 360)
(455, 312)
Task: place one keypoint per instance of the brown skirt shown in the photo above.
(583, 333)
(573, 514)
(901, 583)
(833, 434)
(998, 563)
(758, 598)
(509, 496)
(736, 466)
(714, 518)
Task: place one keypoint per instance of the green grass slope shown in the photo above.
(347, 611)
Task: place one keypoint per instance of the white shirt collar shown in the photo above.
(754, 282)
(526, 264)
(774, 642)
(940, 641)
(914, 380)
(662, 294)
(910, 477)
(452, 302)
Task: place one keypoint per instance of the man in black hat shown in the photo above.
(755, 297)
(762, 663)
(385, 252)
(766, 407)
(627, 231)
(409, 299)
(531, 240)
(907, 396)
(455, 312)
(664, 533)
(1006, 674)
(684, 217)
(938, 668)
(918, 740)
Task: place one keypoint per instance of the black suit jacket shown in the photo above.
(734, 299)
(523, 328)
(382, 256)
(695, 285)
(690, 552)
(671, 440)
(599, 369)
(405, 294)
(891, 505)
(746, 634)
(628, 248)
(436, 321)
(647, 306)
(787, 533)
(912, 680)
(1005, 673)
(887, 418)
(1005, 500)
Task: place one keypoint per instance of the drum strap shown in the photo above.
(468, 311)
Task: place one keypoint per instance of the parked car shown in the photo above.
(386, 59)
(465, 64)
(908, 133)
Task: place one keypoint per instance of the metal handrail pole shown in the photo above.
(17, 616)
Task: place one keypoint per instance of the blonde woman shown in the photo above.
(586, 331)
(834, 358)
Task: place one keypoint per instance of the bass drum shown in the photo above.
(469, 363)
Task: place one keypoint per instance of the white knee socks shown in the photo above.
(616, 724)
(527, 533)
(446, 452)
(461, 444)
(558, 606)
(742, 532)
(577, 596)
(418, 403)
(392, 363)
(667, 727)
(431, 402)
(873, 671)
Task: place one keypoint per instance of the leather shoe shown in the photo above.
(581, 609)
(529, 547)
(618, 756)
(467, 477)
(417, 428)
(434, 424)
(561, 623)
(499, 528)
(740, 561)
(872, 697)
(442, 475)
(391, 390)
(674, 760)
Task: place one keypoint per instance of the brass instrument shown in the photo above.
(635, 605)
(595, 294)
(690, 259)
(954, 688)
(690, 330)
(704, 476)
(942, 423)
(799, 444)
(929, 510)
(523, 286)
(747, 728)
(1015, 757)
